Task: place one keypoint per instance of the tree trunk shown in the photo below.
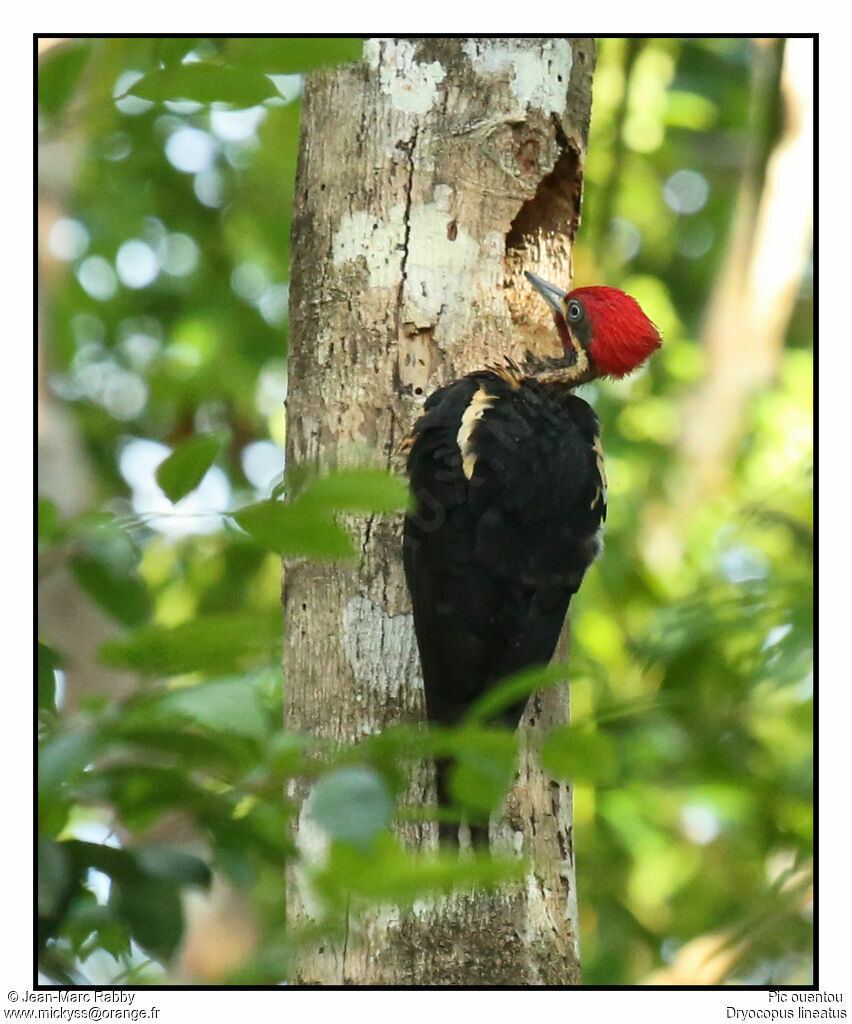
(430, 176)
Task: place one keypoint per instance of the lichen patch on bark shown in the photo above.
(411, 86)
(438, 276)
(360, 235)
(536, 78)
(381, 649)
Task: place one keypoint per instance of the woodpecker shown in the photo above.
(507, 475)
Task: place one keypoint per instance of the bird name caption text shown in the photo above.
(794, 1005)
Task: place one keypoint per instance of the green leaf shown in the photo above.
(205, 83)
(49, 529)
(219, 754)
(386, 872)
(285, 753)
(151, 909)
(231, 860)
(144, 894)
(484, 768)
(113, 861)
(121, 595)
(145, 890)
(231, 705)
(305, 527)
(141, 794)
(295, 55)
(48, 661)
(53, 812)
(63, 759)
(351, 804)
(86, 918)
(357, 490)
(54, 877)
(515, 689)
(58, 75)
(577, 752)
(214, 643)
(173, 49)
(162, 860)
(81, 920)
(184, 469)
(295, 529)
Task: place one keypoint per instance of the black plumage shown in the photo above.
(508, 482)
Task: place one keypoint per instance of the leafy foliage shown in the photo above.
(356, 490)
(166, 336)
(59, 75)
(306, 525)
(295, 528)
(205, 83)
(183, 470)
(575, 753)
(352, 805)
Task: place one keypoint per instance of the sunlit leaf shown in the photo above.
(58, 74)
(576, 752)
(205, 83)
(184, 469)
(294, 529)
(689, 110)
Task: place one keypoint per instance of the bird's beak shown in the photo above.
(552, 295)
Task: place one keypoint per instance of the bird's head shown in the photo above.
(603, 331)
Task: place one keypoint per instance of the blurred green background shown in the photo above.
(163, 255)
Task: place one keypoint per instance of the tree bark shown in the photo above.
(430, 176)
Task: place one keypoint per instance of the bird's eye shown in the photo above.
(574, 310)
